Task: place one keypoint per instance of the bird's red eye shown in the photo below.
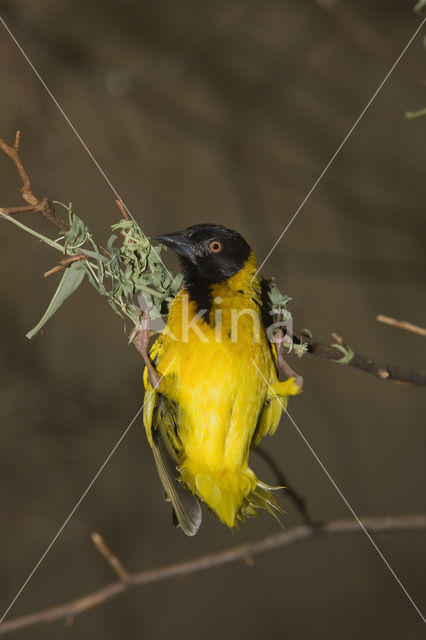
(215, 246)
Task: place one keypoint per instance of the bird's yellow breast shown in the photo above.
(217, 371)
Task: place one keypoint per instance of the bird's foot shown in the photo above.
(283, 366)
(140, 336)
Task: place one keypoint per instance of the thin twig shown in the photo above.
(298, 501)
(401, 324)
(112, 559)
(72, 608)
(34, 204)
(13, 153)
(63, 264)
(122, 208)
(11, 211)
(379, 370)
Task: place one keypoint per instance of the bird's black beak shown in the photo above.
(179, 243)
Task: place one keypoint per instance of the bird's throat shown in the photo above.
(208, 295)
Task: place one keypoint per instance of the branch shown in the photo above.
(244, 552)
(358, 361)
(34, 204)
(401, 324)
(112, 559)
(289, 492)
(13, 153)
(64, 263)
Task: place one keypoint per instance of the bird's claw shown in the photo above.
(140, 336)
(280, 338)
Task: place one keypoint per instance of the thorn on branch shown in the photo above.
(17, 141)
(383, 374)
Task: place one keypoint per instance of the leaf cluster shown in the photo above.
(127, 271)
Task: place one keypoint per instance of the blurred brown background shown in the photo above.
(224, 112)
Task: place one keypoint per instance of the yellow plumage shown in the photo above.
(218, 396)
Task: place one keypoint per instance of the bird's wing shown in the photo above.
(186, 507)
(160, 418)
(268, 420)
(276, 402)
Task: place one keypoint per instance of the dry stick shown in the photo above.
(120, 205)
(377, 369)
(112, 559)
(72, 608)
(45, 206)
(34, 204)
(64, 263)
(13, 153)
(10, 211)
(401, 324)
(298, 501)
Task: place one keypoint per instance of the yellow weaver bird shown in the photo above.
(211, 380)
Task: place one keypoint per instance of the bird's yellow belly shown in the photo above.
(219, 396)
(220, 393)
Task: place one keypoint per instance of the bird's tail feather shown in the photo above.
(261, 497)
(233, 494)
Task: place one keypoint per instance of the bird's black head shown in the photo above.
(208, 251)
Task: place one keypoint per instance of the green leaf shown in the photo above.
(415, 114)
(48, 241)
(111, 241)
(70, 281)
(348, 354)
(420, 6)
(276, 298)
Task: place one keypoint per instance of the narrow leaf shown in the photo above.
(420, 6)
(415, 114)
(70, 281)
(48, 241)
